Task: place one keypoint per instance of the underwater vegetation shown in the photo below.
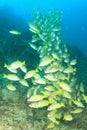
(52, 85)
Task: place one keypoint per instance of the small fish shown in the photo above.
(15, 32)
(30, 74)
(53, 119)
(12, 77)
(55, 106)
(55, 29)
(42, 37)
(34, 39)
(69, 69)
(50, 125)
(73, 62)
(36, 97)
(52, 116)
(47, 93)
(50, 88)
(30, 92)
(65, 55)
(81, 87)
(60, 67)
(84, 97)
(45, 61)
(66, 60)
(68, 117)
(52, 113)
(39, 104)
(16, 64)
(11, 70)
(64, 86)
(50, 77)
(78, 110)
(23, 68)
(55, 56)
(51, 69)
(37, 76)
(40, 81)
(11, 87)
(61, 76)
(78, 103)
(24, 82)
(32, 46)
(66, 94)
(33, 28)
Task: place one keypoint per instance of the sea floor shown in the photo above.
(16, 115)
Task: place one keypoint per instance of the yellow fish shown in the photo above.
(36, 97)
(11, 77)
(11, 70)
(40, 81)
(39, 104)
(33, 28)
(15, 64)
(78, 110)
(23, 68)
(30, 74)
(78, 103)
(64, 86)
(55, 106)
(24, 82)
(68, 117)
(50, 77)
(11, 87)
(73, 62)
(69, 69)
(15, 32)
(45, 61)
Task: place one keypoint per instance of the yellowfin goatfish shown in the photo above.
(15, 32)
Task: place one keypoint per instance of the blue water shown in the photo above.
(74, 20)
